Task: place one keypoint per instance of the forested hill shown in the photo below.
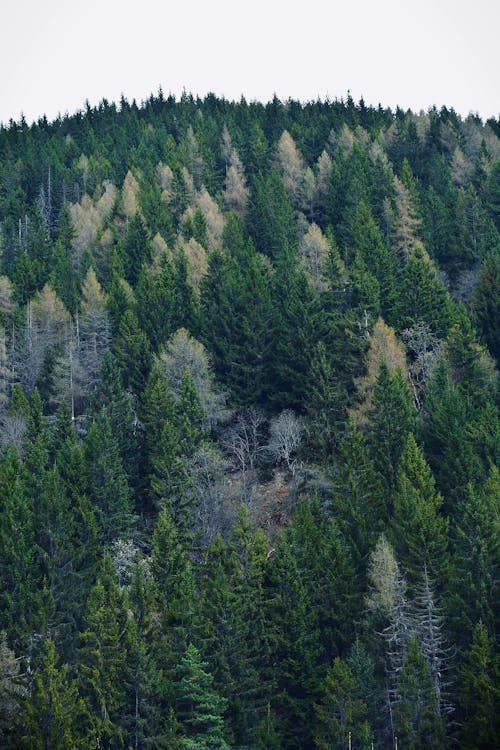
(249, 428)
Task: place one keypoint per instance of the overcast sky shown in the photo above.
(55, 54)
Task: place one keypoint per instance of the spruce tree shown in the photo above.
(107, 480)
(417, 723)
(199, 709)
(55, 715)
(480, 693)
(419, 532)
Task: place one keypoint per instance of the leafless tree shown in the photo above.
(244, 442)
(285, 436)
(207, 492)
(425, 349)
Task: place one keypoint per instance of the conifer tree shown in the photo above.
(136, 248)
(55, 715)
(132, 352)
(107, 480)
(392, 418)
(417, 723)
(102, 659)
(294, 646)
(480, 694)
(419, 532)
(19, 572)
(341, 714)
(199, 709)
(485, 303)
(118, 404)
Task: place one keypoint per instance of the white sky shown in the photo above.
(55, 54)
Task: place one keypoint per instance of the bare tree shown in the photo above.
(429, 629)
(207, 492)
(44, 329)
(285, 436)
(425, 349)
(244, 441)
(69, 378)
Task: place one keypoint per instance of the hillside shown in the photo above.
(249, 427)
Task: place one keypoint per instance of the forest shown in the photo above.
(249, 428)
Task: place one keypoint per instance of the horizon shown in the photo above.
(60, 55)
(141, 103)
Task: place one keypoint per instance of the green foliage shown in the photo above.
(393, 419)
(55, 715)
(199, 708)
(341, 713)
(129, 554)
(480, 694)
(419, 532)
(485, 303)
(417, 723)
(107, 480)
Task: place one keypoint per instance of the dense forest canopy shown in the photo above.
(249, 428)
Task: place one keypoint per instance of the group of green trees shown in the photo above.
(204, 304)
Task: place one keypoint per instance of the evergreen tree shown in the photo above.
(19, 572)
(294, 646)
(417, 723)
(480, 694)
(485, 304)
(102, 659)
(136, 249)
(341, 714)
(392, 418)
(419, 532)
(357, 495)
(55, 716)
(107, 480)
(132, 352)
(199, 709)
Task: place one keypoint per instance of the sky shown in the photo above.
(56, 54)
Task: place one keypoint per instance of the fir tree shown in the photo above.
(199, 709)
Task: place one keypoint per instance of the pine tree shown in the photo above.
(485, 303)
(480, 693)
(199, 709)
(132, 352)
(190, 417)
(294, 646)
(445, 438)
(107, 480)
(341, 714)
(417, 723)
(118, 404)
(325, 404)
(357, 494)
(102, 659)
(392, 418)
(271, 217)
(419, 531)
(55, 715)
(136, 248)
(477, 557)
(19, 572)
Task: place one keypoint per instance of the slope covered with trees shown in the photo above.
(249, 429)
